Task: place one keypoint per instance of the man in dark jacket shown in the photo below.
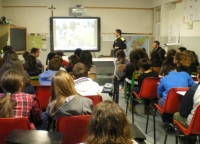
(120, 42)
(156, 58)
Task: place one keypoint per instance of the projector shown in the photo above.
(78, 10)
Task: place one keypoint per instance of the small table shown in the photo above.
(137, 134)
(34, 137)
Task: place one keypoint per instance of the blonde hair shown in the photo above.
(62, 86)
(6, 106)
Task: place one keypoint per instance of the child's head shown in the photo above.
(80, 70)
(58, 57)
(120, 54)
(25, 54)
(50, 56)
(60, 53)
(136, 55)
(144, 64)
(8, 55)
(12, 81)
(190, 55)
(108, 124)
(86, 59)
(35, 52)
(15, 64)
(78, 52)
(73, 59)
(55, 64)
(62, 86)
(7, 48)
(31, 63)
(180, 59)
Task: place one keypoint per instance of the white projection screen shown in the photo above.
(70, 33)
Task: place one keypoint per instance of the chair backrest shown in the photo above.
(173, 100)
(43, 94)
(93, 76)
(121, 67)
(73, 127)
(134, 77)
(7, 125)
(95, 99)
(149, 88)
(157, 69)
(194, 127)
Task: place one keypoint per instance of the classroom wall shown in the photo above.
(188, 37)
(37, 19)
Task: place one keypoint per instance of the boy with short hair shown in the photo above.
(84, 85)
(53, 67)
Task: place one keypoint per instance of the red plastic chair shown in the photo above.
(43, 94)
(7, 125)
(171, 106)
(96, 99)
(148, 91)
(194, 127)
(73, 127)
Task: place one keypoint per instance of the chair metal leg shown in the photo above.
(176, 139)
(127, 101)
(166, 134)
(132, 111)
(147, 121)
(154, 127)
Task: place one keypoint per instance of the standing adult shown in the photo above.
(156, 58)
(120, 42)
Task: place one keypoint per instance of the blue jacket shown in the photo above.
(45, 77)
(172, 80)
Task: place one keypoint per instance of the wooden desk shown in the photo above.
(34, 137)
(35, 83)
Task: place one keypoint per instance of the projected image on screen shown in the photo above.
(72, 33)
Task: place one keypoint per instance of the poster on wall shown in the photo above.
(191, 10)
(134, 41)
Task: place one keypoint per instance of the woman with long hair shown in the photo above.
(16, 64)
(65, 101)
(109, 125)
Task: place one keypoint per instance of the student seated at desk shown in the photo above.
(31, 66)
(84, 85)
(45, 77)
(109, 125)
(14, 103)
(189, 103)
(16, 64)
(172, 79)
(169, 60)
(65, 101)
(73, 59)
(27, 53)
(8, 55)
(182, 63)
(86, 59)
(144, 65)
(134, 56)
(120, 59)
(61, 54)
